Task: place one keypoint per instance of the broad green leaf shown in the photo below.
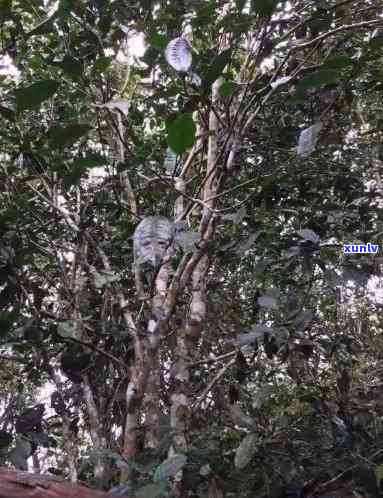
(7, 319)
(169, 467)
(90, 161)
(7, 113)
(158, 41)
(5, 439)
(36, 62)
(217, 66)
(5, 7)
(320, 23)
(47, 26)
(263, 7)
(102, 64)
(74, 176)
(228, 88)
(181, 133)
(318, 79)
(68, 135)
(236, 23)
(32, 96)
(339, 61)
(71, 66)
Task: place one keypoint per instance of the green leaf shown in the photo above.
(45, 27)
(5, 439)
(71, 66)
(5, 8)
(339, 61)
(216, 67)
(74, 176)
(228, 88)
(32, 96)
(102, 64)
(90, 161)
(36, 62)
(181, 133)
(158, 41)
(318, 79)
(263, 7)
(64, 136)
(7, 319)
(169, 467)
(7, 113)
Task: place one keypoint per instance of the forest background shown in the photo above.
(254, 368)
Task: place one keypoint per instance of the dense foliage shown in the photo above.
(267, 377)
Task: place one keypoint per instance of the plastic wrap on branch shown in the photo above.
(308, 140)
(170, 162)
(153, 239)
(178, 54)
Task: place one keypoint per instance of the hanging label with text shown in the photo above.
(360, 248)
